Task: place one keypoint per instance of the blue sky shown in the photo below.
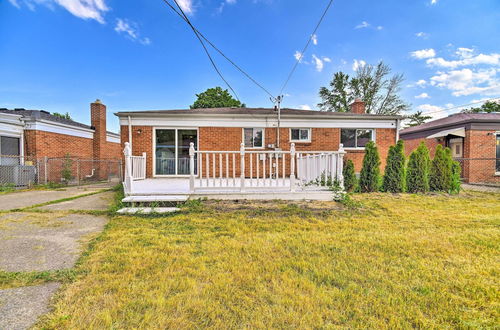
(59, 55)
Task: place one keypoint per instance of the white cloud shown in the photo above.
(380, 27)
(314, 39)
(421, 35)
(467, 82)
(423, 53)
(423, 96)
(85, 9)
(362, 25)
(186, 5)
(358, 64)
(298, 56)
(305, 107)
(466, 58)
(327, 59)
(318, 63)
(131, 30)
(421, 83)
(429, 108)
(433, 2)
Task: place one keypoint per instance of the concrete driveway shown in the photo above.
(43, 241)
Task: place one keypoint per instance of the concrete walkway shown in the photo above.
(22, 199)
(34, 241)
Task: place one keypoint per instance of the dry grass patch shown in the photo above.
(399, 261)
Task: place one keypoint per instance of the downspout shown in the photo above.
(398, 124)
(130, 132)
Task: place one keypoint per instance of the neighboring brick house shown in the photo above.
(32, 135)
(166, 134)
(474, 139)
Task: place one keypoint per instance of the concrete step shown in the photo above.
(156, 198)
(147, 210)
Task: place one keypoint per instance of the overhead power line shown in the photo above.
(185, 18)
(461, 106)
(204, 47)
(305, 47)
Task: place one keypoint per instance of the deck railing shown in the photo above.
(135, 168)
(259, 170)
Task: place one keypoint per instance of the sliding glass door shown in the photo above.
(172, 150)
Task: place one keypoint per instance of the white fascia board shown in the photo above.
(258, 121)
(11, 119)
(114, 138)
(49, 126)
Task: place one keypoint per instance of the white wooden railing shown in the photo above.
(259, 170)
(135, 168)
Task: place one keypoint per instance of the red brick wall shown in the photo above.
(230, 138)
(431, 144)
(53, 145)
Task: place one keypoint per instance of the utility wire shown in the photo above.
(184, 18)
(305, 47)
(205, 48)
(460, 106)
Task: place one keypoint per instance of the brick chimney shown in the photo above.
(358, 106)
(98, 122)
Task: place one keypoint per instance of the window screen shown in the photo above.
(9, 146)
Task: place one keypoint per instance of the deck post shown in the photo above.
(292, 167)
(128, 169)
(143, 172)
(340, 165)
(242, 167)
(191, 167)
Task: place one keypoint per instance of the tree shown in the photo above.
(394, 176)
(65, 116)
(417, 174)
(349, 175)
(371, 84)
(417, 119)
(369, 178)
(440, 171)
(216, 98)
(488, 107)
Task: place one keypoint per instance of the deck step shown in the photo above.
(156, 198)
(147, 210)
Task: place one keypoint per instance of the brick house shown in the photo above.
(474, 139)
(27, 136)
(165, 135)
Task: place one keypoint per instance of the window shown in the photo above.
(498, 153)
(355, 138)
(9, 146)
(253, 137)
(300, 134)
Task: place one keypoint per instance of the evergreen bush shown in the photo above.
(349, 175)
(369, 180)
(394, 176)
(440, 171)
(455, 177)
(417, 174)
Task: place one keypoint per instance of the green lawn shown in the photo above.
(394, 261)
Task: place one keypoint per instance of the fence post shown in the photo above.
(191, 167)
(45, 166)
(128, 169)
(340, 165)
(292, 167)
(242, 167)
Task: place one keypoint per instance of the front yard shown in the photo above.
(393, 261)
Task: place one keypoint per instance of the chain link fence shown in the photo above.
(24, 171)
(479, 172)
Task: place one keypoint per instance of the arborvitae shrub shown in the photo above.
(369, 180)
(440, 171)
(394, 176)
(455, 178)
(417, 174)
(349, 175)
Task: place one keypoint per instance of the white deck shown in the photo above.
(162, 188)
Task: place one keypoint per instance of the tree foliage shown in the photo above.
(488, 107)
(62, 115)
(349, 175)
(455, 177)
(417, 119)
(394, 176)
(371, 84)
(369, 178)
(417, 174)
(440, 171)
(215, 98)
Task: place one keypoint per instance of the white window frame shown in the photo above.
(356, 137)
(309, 132)
(253, 128)
(497, 135)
